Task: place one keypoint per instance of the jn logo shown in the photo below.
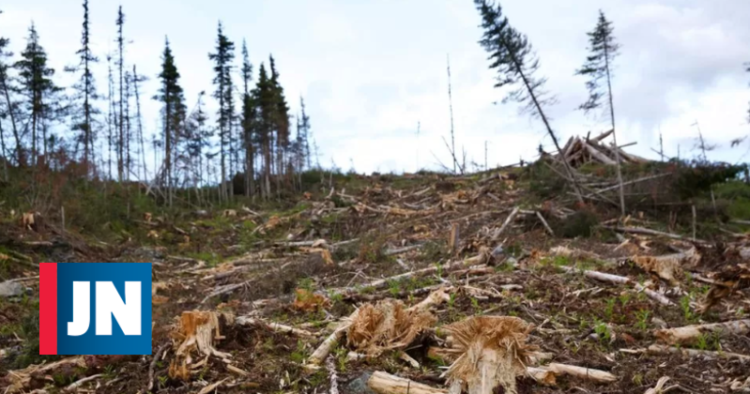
(95, 308)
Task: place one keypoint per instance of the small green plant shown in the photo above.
(163, 380)
(638, 379)
(299, 355)
(335, 297)
(701, 342)
(609, 310)
(394, 287)
(439, 271)
(602, 331)
(642, 322)
(306, 284)
(687, 312)
(740, 313)
(451, 300)
(475, 305)
(624, 299)
(340, 354)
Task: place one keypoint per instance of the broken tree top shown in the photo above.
(579, 151)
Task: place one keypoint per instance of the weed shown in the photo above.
(609, 310)
(475, 305)
(299, 355)
(335, 297)
(602, 331)
(701, 342)
(306, 284)
(439, 271)
(642, 316)
(740, 312)
(451, 300)
(394, 287)
(686, 310)
(340, 355)
(624, 299)
(638, 379)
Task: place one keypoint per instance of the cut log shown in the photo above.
(683, 334)
(385, 383)
(601, 157)
(659, 386)
(509, 219)
(583, 373)
(604, 277)
(245, 320)
(661, 349)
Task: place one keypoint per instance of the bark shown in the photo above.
(687, 333)
(384, 383)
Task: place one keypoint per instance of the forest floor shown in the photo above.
(243, 299)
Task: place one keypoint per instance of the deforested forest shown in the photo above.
(535, 197)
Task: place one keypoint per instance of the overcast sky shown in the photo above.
(370, 71)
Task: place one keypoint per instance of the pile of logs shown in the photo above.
(579, 151)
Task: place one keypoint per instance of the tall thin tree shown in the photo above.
(137, 80)
(598, 67)
(86, 88)
(223, 58)
(171, 97)
(121, 123)
(511, 54)
(37, 86)
(10, 105)
(248, 120)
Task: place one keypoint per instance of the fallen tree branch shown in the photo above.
(604, 277)
(583, 373)
(249, 321)
(385, 383)
(152, 366)
(510, 217)
(681, 334)
(73, 387)
(661, 349)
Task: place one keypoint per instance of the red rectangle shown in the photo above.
(48, 308)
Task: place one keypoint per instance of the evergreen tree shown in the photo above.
(266, 106)
(304, 136)
(128, 130)
(86, 91)
(511, 54)
(223, 58)
(111, 117)
(248, 121)
(280, 118)
(171, 97)
(38, 88)
(598, 67)
(10, 108)
(121, 119)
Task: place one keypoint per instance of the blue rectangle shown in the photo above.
(90, 343)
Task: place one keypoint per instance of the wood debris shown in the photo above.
(678, 335)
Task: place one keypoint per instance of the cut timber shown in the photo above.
(384, 383)
(646, 231)
(599, 155)
(683, 334)
(583, 373)
(509, 219)
(493, 351)
(604, 277)
(660, 349)
(245, 320)
(330, 342)
(659, 388)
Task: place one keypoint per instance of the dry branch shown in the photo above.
(683, 334)
(246, 320)
(510, 217)
(385, 383)
(604, 277)
(659, 386)
(660, 349)
(583, 373)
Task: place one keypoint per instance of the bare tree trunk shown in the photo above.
(450, 106)
(19, 148)
(547, 125)
(614, 132)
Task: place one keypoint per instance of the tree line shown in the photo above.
(250, 148)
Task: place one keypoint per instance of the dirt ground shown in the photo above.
(452, 233)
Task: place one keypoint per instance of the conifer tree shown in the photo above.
(223, 58)
(266, 105)
(280, 118)
(111, 117)
(128, 130)
(38, 89)
(248, 120)
(171, 97)
(511, 54)
(86, 91)
(304, 138)
(10, 108)
(598, 67)
(121, 119)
